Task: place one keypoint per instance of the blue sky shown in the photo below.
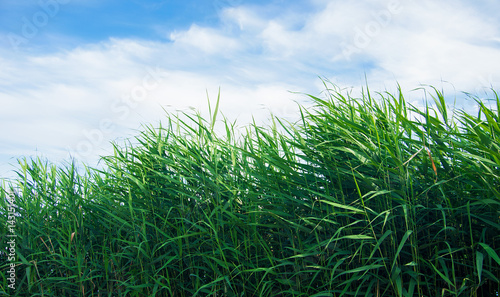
(77, 74)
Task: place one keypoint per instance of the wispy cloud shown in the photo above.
(75, 99)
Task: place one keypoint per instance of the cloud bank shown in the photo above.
(68, 100)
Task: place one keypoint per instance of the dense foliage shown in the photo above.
(362, 197)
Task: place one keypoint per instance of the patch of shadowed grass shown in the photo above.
(364, 196)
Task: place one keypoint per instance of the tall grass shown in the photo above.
(364, 196)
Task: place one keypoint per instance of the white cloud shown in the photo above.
(66, 100)
(246, 19)
(209, 41)
(437, 41)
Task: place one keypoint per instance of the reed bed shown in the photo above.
(365, 196)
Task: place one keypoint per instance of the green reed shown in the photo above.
(364, 196)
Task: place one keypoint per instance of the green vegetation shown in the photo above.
(363, 196)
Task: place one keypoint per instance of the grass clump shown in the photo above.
(361, 197)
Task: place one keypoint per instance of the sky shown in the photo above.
(76, 75)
